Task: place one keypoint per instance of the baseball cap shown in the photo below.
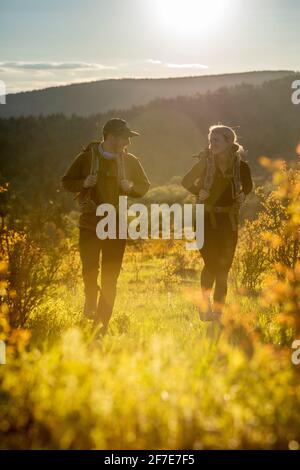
(117, 126)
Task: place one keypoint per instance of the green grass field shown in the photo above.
(159, 379)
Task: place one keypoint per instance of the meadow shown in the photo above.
(160, 378)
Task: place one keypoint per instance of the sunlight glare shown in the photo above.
(192, 16)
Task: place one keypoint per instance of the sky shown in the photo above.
(56, 42)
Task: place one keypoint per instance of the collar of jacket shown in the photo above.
(107, 155)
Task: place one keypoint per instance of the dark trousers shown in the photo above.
(112, 252)
(217, 252)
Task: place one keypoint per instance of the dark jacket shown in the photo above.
(107, 189)
(222, 189)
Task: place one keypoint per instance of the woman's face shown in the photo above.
(217, 143)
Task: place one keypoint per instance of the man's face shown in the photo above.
(119, 142)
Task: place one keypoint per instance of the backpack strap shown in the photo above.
(237, 175)
(121, 167)
(209, 172)
(94, 161)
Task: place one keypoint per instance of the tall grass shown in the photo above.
(161, 378)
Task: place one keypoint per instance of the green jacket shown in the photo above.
(107, 189)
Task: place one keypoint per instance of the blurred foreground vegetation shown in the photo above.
(160, 378)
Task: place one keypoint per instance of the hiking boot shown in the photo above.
(216, 316)
(90, 314)
(217, 311)
(90, 308)
(207, 314)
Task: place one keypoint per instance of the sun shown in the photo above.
(191, 16)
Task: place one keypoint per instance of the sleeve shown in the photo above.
(246, 178)
(73, 179)
(140, 180)
(192, 180)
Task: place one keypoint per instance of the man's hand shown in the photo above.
(90, 181)
(202, 195)
(240, 198)
(126, 185)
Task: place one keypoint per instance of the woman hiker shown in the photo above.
(220, 180)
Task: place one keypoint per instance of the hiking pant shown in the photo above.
(217, 252)
(112, 252)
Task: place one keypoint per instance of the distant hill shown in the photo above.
(101, 96)
(35, 151)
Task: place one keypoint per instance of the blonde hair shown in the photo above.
(229, 135)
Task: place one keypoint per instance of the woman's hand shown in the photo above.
(202, 195)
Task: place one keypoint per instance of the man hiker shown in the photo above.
(101, 173)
